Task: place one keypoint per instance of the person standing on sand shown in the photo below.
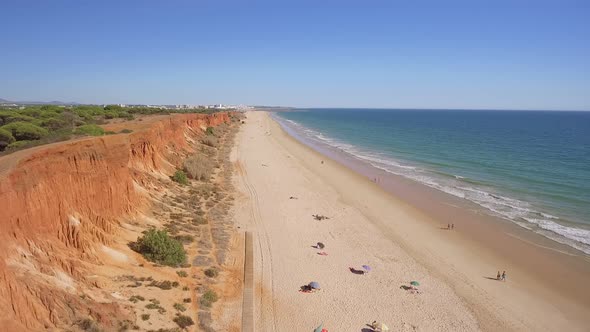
(504, 276)
(498, 276)
(449, 226)
(452, 226)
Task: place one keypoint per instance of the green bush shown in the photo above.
(110, 115)
(25, 131)
(182, 274)
(179, 307)
(126, 131)
(18, 145)
(209, 298)
(46, 114)
(158, 247)
(211, 273)
(136, 298)
(54, 123)
(209, 131)
(90, 130)
(183, 321)
(180, 177)
(6, 138)
(7, 117)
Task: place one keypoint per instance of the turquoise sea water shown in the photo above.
(530, 167)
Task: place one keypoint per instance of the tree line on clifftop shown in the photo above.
(23, 127)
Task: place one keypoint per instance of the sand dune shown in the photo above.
(366, 226)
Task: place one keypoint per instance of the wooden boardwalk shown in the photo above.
(248, 297)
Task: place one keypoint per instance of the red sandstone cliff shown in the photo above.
(58, 202)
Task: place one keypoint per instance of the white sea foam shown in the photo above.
(520, 212)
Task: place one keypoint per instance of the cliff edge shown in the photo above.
(59, 203)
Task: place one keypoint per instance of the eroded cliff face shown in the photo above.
(58, 203)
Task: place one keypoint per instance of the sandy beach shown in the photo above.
(401, 242)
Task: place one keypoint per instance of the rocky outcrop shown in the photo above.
(60, 201)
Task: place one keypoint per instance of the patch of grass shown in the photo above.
(182, 274)
(160, 248)
(179, 307)
(208, 298)
(126, 325)
(155, 305)
(210, 131)
(136, 298)
(211, 272)
(180, 177)
(198, 220)
(199, 167)
(165, 285)
(90, 130)
(145, 316)
(183, 321)
(126, 131)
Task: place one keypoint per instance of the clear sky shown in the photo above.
(401, 54)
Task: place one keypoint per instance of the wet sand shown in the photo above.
(397, 228)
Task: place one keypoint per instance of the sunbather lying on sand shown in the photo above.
(308, 289)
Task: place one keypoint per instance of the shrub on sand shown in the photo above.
(209, 298)
(158, 247)
(180, 177)
(184, 321)
(211, 273)
(198, 167)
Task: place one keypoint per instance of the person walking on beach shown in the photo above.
(452, 226)
(498, 276)
(504, 276)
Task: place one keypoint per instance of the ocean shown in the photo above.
(529, 167)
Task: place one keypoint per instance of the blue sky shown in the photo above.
(401, 54)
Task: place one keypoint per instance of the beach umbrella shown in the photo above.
(319, 328)
(367, 268)
(414, 283)
(314, 285)
(321, 245)
(380, 327)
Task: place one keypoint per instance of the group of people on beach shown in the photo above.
(502, 276)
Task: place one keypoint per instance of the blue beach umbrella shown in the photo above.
(367, 268)
(314, 285)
